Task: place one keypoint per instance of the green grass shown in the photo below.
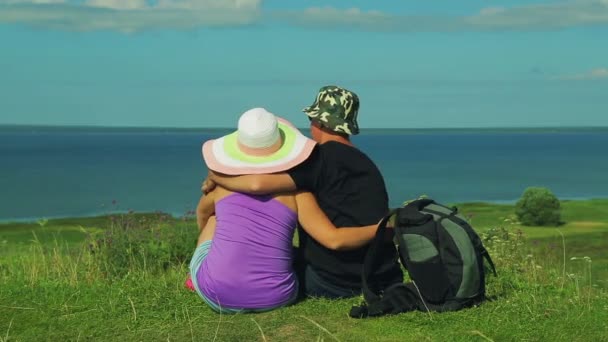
(53, 286)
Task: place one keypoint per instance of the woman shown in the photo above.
(243, 261)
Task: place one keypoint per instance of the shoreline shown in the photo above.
(93, 214)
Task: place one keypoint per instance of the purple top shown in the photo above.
(249, 265)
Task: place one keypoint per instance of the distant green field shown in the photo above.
(585, 232)
(55, 285)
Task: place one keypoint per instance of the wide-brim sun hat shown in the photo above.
(263, 143)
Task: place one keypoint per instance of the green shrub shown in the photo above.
(145, 243)
(538, 207)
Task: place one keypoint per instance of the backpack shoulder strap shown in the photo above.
(486, 256)
(371, 259)
(396, 298)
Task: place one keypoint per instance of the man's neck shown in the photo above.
(335, 138)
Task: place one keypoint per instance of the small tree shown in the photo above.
(538, 207)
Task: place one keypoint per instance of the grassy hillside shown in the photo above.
(92, 279)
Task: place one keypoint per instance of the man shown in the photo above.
(349, 189)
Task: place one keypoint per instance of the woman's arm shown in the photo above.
(316, 224)
(204, 209)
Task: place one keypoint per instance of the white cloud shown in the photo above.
(32, 1)
(333, 17)
(530, 17)
(599, 73)
(135, 15)
(131, 15)
(210, 4)
(542, 16)
(595, 74)
(118, 4)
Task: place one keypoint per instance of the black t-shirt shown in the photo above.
(351, 192)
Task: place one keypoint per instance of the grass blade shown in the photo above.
(321, 327)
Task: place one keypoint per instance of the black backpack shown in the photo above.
(442, 254)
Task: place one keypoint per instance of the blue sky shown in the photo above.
(201, 63)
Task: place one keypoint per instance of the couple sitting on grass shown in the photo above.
(265, 180)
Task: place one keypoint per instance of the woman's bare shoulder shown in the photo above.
(288, 199)
(219, 192)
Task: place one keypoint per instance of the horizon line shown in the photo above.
(178, 128)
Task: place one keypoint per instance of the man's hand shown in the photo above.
(207, 186)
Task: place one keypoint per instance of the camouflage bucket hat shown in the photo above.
(335, 108)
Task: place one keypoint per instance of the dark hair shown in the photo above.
(328, 130)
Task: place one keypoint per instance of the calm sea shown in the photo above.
(73, 172)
